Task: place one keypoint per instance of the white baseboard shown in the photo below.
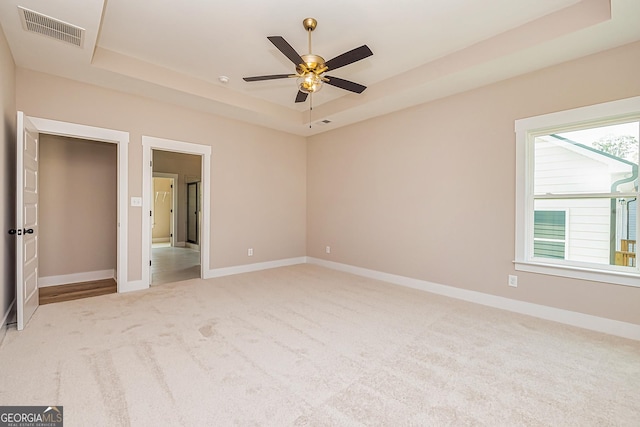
(135, 285)
(586, 321)
(65, 279)
(180, 244)
(248, 268)
(192, 246)
(160, 239)
(5, 320)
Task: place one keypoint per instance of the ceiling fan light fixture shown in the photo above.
(310, 83)
(311, 69)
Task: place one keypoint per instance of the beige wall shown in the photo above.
(188, 168)
(429, 192)
(258, 175)
(78, 200)
(7, 179)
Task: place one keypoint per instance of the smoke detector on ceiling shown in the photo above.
(42, 24)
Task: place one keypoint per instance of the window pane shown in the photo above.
(596, 160)
(590, 230)
(544, 249)
(549, 234)
(549, 225)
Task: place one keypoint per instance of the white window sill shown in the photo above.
(606, 276)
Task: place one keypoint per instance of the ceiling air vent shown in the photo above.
(48, 26)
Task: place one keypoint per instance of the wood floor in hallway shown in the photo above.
(73, 291)
(173, 264)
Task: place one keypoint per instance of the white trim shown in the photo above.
(582, 273)
(8, 313)
(120, 138)
(148, 144)
(136, 285)
(65, 279)
(586, 321)
(248, 268)
(4, 326)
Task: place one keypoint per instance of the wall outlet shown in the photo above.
(513, 281)
(250, 252)
(328, 249)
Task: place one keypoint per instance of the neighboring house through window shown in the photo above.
(549, 234)
(577, 191)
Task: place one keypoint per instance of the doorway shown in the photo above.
(183, 259)
(175, 256)
(77, 211)
(121, 140)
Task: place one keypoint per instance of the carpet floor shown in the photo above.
(308, 346)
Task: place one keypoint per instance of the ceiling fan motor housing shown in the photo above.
(312, 63)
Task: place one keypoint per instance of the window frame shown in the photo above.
(526, 130)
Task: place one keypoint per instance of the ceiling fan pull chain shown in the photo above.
(310, 108)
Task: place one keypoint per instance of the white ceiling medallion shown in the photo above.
(42, 24)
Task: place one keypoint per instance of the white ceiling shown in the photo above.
(175, 51)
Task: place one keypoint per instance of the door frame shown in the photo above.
(121, 138)
(150, 143)
(174, 203)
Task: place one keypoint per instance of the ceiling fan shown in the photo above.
(311, 69)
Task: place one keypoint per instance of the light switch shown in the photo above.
(136, 201)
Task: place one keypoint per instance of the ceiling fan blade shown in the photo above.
(271, 77)
(286, 49)
(302, 96)
(350, 57)
(345, 84)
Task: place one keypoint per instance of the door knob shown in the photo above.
(21, 232)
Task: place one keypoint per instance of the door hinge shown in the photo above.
(150, 213)
(150, 163)
(149, 263)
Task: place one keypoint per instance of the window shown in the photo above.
(577, 192)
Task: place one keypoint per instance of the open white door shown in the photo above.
(26, 220)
